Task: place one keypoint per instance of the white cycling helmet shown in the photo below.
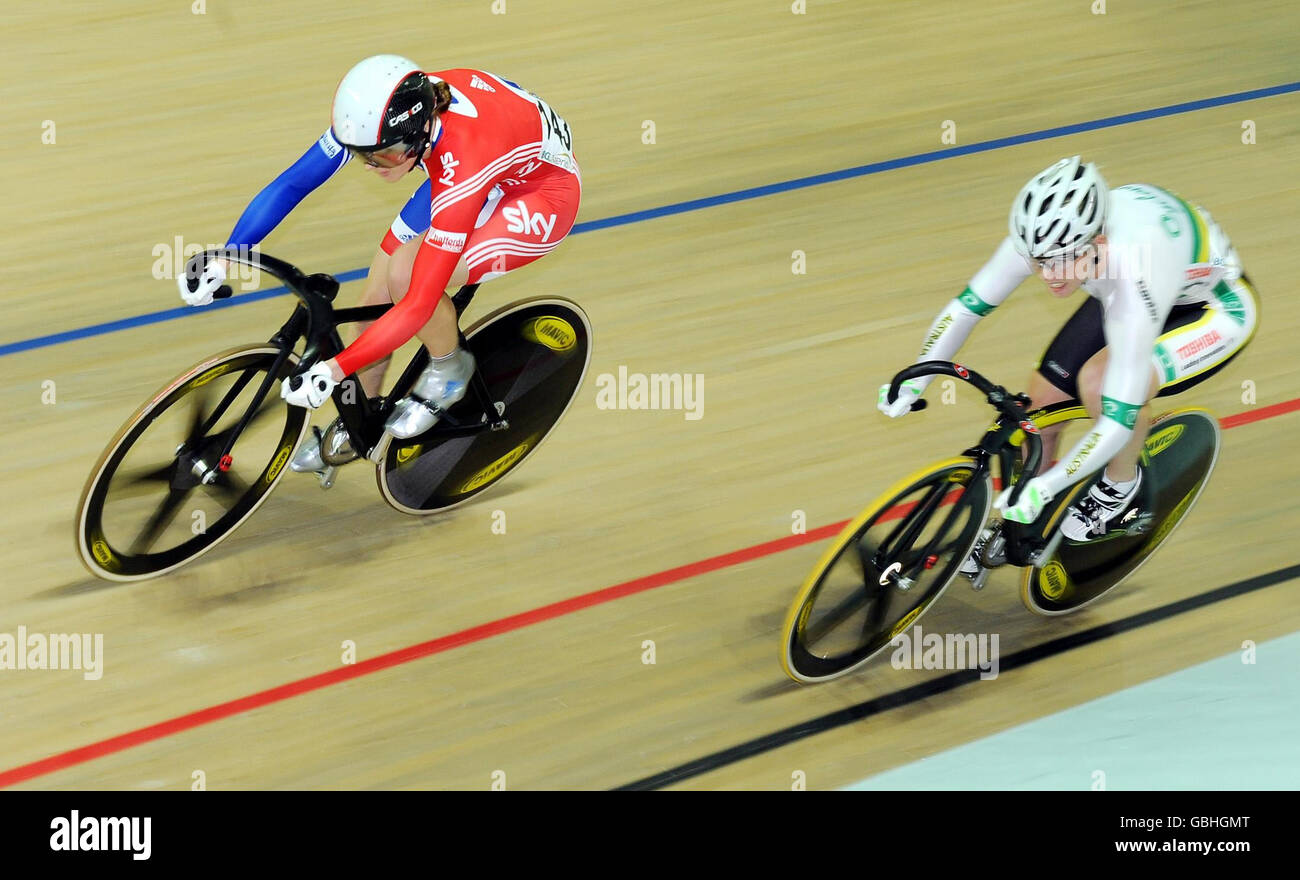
(382, 102)
(1059, 210)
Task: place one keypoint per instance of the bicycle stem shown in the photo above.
(315, 292)
(1009, 406)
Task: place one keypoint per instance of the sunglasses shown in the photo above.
(1061, 261)
(388, 157)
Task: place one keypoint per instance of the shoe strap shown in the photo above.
(1106, 494)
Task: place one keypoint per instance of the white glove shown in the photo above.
(908, 393)
(1033, 498)
(313, 389)
(210, 279)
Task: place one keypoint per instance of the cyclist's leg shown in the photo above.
(1192, 351)
(1090, 514)
(439, 334)
(392, 260)
(1055, 380)
(1196, 342)
(511, 231)
(1056, 377)
(374, 293)
(528, 223)
(514, 228)
(387, 281)
(1123, 467)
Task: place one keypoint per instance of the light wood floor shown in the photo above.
(166, 123)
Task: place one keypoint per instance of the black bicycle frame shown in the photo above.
(1013, 417)
(317, 321)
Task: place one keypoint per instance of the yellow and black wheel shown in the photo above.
(533, 356)
(1181, 450)
(165, 490)
(885, 569)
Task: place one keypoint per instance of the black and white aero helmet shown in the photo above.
(1059, 210)
(383, 101)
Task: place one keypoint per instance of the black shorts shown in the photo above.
(1082, 336)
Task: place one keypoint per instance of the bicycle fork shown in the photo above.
(911, 527)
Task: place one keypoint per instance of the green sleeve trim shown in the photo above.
(1125, 414)
(974, 303)
(1166, 362)
(1231, 302)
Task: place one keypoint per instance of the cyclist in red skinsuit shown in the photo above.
(503, 189)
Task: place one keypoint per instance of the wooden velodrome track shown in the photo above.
(168, 122)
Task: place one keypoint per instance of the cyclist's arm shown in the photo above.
(1132, 322)
(992, 284)
(282, 195)
(411, 221)
(1004, 272)
(434, 263)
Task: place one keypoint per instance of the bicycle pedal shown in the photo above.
(335, 444)
(327, 476)
(498, 424)
(993, 547)
(381, 448)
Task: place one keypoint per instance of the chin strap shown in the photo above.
(428, 141)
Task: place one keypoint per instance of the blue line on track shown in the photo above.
(708, 202)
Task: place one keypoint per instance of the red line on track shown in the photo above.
(143, 735)
(1258, 415)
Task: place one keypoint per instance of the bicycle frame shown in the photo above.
(317, 321)
(1024, 546)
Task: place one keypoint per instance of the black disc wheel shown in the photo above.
(532, 356)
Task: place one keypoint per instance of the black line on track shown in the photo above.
(954, 680)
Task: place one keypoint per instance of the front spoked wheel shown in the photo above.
(160, 495)
(885, 569)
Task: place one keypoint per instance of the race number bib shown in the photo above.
(557, 141)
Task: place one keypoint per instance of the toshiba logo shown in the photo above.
(1200, 344)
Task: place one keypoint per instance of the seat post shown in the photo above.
(461, 299)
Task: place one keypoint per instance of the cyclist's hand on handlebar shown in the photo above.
(908, 393)
(1033, 498)
(199, 291)
(309, 389)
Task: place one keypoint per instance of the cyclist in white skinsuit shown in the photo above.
(1168, 306)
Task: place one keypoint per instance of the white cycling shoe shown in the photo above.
(442, 384)
(333, 444)
(1089, 518)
